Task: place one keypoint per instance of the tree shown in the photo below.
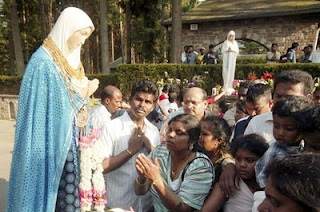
(176, 32)
(104, 42)
(18, 51)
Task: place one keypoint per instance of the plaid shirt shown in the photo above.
(277, 151)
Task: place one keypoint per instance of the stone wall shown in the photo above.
(8, 107)
(281, 30)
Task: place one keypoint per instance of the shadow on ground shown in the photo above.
(3, 193)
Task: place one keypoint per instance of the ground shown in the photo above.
(6, 146)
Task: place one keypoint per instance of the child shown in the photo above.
(214, 139)
(286, 131)
(293, 184)
(246, 151)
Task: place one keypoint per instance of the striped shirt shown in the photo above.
(194, 188)
(119, 182)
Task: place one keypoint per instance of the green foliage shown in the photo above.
(210, 75)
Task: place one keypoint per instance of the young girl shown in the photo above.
(246, 151)
(214, 138)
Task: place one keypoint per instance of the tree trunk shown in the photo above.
(104, 41)
(47, 18)
(112, 44)
(18, 52)
(176, 32)
(123, 40)
(127, 36)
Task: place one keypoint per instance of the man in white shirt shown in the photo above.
(258, 101)
(287, 83)
(111, 99)
(126, 136)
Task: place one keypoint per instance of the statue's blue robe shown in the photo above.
(43, 137)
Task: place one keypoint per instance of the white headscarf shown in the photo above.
(70, 20)
(233, 45)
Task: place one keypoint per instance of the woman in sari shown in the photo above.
(52, 112)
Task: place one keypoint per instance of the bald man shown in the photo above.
(111, 99)
(194, 103)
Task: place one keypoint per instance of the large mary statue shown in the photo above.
(52, 112)
(230, 50)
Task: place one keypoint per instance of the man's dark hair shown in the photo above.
(173, 96)
(145, 86)
(108, 92)
(292, 105)
(274, 44)
(295, 44)
(166, 88)
(254, 143)
(211, 46)
(255, 92)
(297, 177)
(295, 77)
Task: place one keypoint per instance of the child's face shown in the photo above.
(245, 163)
(285, 130)
(277, 202)
(207, 140)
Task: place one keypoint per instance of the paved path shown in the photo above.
(6, 145)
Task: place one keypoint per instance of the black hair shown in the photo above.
(219, 128)
(211, 46)
(173, 96)
(192, 126)
(108, 92)
(252, 142)
(274, 44)
(145, 86)
(255, 92)
(309, 124)
(295, 77)
(288, 107)
(297, 177)
(294, 45)
(241, 105)
(221, 131)
(166, 88)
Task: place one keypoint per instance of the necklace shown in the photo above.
(61, 61)
(68, 73)
(175, 172)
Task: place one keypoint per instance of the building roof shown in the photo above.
(217, 10)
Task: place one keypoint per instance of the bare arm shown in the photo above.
(229, 180)
(151, 171)
(114, 162)
(215, 200)
(134, 145)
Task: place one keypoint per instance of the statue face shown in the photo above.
(78, 38)
(231, 37)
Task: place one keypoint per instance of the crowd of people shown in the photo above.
(309, 54)
(167, 152)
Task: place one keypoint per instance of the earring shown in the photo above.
(191, 147)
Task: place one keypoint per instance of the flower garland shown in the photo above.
(92, 184)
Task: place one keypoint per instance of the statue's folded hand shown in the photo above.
(92, 86)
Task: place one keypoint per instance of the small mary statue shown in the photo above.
(230, 51)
